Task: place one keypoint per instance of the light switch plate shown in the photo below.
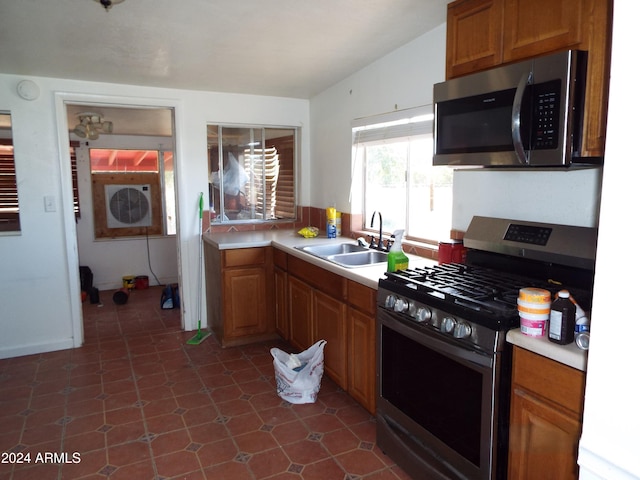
(49, 203)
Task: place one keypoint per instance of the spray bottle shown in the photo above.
(396, 259)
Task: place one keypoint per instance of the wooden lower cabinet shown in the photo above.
(546, 418)
(325, 306)
(362, 358)
(300, 313)
(330, 321)
(239, 294)
(282, 303)
(245, 302)
(281, 294)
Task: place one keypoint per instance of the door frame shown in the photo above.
(61, 100)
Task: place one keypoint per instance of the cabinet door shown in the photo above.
(282, 305)
(300, 313)
(245, 303)
(330, 319)
(474, 36)
(543, 439)
(543, 26)
(362, 358)
(597, 37)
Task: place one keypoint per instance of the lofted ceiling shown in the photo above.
(288, 48)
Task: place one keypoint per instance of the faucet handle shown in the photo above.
(389, 243)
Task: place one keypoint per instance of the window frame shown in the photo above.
(218, 198)
(155, 178)
(9, 195)
(408, 124)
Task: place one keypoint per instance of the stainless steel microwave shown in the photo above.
(523, 114)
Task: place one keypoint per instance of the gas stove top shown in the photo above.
(510, 255)
(485, 296)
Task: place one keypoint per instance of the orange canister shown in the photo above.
(534, 305)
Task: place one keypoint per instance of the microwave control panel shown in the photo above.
(546, 115)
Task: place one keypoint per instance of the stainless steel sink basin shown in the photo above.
(332, 249)
(348, 255)
(359, 259)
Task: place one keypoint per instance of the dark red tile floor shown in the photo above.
(137, 402)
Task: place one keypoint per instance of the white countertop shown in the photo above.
(569, 355)
(287, 240)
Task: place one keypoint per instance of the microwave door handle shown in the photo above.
(516, 114)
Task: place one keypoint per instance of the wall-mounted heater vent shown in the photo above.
(128, 206)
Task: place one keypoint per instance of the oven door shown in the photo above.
(437, 403)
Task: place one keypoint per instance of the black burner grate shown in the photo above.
(489, 292)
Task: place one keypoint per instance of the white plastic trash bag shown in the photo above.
(298, 376)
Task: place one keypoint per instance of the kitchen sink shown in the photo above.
(332, 249)
(359, 259)
(348, 255)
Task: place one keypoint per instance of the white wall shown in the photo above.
(402, 79)
(570, 197)
(38, 273)
(611, 431)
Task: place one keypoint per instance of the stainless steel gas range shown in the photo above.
(444, 367)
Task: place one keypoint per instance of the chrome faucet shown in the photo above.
(380, 245)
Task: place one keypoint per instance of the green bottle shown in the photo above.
(396, 259)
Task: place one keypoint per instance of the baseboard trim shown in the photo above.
(596, 467)
(36, 348)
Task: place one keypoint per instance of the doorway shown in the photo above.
(130, 135)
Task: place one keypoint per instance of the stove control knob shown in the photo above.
(412, 310)
(401, 305)
(423, 314)
(448, 324)
(390, 301)
(462, 330)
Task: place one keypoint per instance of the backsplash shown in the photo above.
(316, 217)
(306, 216)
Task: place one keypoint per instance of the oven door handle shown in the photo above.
(460, 354)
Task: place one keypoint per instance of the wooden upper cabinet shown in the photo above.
(474, 36)
(485, 33)
(543, 26)
(598, 43)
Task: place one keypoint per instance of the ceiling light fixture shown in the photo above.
(107, 4)
(91, 126)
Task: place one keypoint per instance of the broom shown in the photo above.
(201, 335)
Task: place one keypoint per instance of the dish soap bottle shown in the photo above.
(396, 259)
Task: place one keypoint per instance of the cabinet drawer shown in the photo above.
(361, 297)
(244, 256)
(280, 259)
(556, 382)
(324, 280)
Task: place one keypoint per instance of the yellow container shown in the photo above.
(129, 282)
(535, 295)
(331, 222)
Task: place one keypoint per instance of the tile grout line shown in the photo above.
(140, 406)
(215, 405)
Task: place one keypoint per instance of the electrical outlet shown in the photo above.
(49, 203)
